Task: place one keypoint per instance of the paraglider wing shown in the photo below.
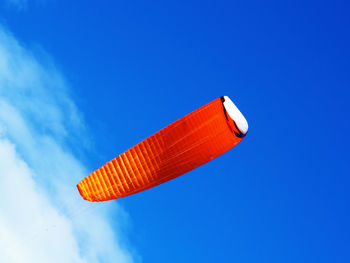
(187, 143)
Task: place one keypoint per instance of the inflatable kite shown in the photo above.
(182, 146)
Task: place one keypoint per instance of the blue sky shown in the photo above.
(131, 67)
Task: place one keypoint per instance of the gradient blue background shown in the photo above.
(282, 195)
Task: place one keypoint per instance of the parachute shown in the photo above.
(182, 146)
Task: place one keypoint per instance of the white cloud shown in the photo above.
(42, 217)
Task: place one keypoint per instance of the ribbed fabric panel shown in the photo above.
(180, 147)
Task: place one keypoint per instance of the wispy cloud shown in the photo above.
(20, 4)
(42, 217)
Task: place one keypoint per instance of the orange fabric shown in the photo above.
(187, 143)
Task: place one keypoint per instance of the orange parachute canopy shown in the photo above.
(187, 143)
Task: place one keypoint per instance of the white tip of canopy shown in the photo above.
(236, 115)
